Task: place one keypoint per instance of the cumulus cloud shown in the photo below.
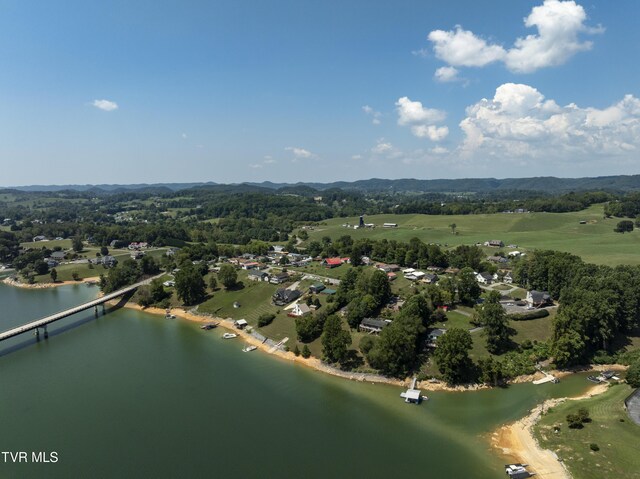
(518, 122)
(375, 115)
(463, 48)
(446, 74)
(421, 120)
(105, 105)
(299, 153)
(559, 24)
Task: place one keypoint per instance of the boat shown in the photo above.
(209, 326)
(170, 316)
(229, 335)
(249, 349)
(594, 379)
(517, 471)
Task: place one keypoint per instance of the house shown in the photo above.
(430, 278)
(58, 255)
(114, 243)
(494, 243)
(415, 276)
(240, 323)
(331, 262)
(257, 275)
(484, 278)
(250, 265)
(39, 238)
(300, 310)
(451, 270)
(514, 254)
(285, 296)
(434, 334)
(108, 261)
(137, 254)
(279, 278)
(508, 279)
(277, 248)
(391, 276)
(50, 263)
(538, 299)
(169, 283)
(316, 288)
(372, 325)
(497, 259)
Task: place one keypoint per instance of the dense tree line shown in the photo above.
(598, 304)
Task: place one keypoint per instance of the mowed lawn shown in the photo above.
(595, 242)
(611, 429)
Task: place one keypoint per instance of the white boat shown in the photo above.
(229, 336)
(249, 348)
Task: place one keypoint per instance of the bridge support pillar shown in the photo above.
(37, 333)
(104, 310)
(46, 333)
(95, 310)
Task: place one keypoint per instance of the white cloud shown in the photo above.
(519, 123)
(268, 160)
(105, 105)
(446, 74)
(299, 153)
(184, 136)
(463, 48)
(421, 120)
(382, 147)
(423, 52)
(434, 133)
(255, 165)
(375, 115)
(558, 23)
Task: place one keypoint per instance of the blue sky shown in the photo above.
(230, 91)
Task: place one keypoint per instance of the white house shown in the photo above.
(484, 278)
(300, 310)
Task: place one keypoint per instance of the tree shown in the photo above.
(335, 340)
(213, 283)
(491, 371)
(148, 265)
(75, 276)
(265, 319)
(228, 276)
(492, 316)
(157, 291)
(190, 287)
(104, 251)
(76, 244)
(306, 352)
(54, 275)
(633, 374)
(468, 289)
(624, 226)
(309, 327)
(452, 354)
(453, 227)
(296, 350)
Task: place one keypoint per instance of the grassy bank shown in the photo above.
(611, 429)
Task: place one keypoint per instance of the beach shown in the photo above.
(516, 440)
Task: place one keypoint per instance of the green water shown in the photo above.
(135, 395)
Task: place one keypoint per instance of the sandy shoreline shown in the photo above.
(517, 443)
(12, 282)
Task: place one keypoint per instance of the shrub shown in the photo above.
(538, 313)
(265, 319)
(296, 350)
(574, 421)
(306, 352)
(594, 447)
(633, 374)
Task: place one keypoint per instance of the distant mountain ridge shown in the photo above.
(543, 184)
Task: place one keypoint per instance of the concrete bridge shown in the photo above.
(42, 323)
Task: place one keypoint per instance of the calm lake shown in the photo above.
(134, 395)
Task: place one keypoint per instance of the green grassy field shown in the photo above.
(595, 241)
(611, 429)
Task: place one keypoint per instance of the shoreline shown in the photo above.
(18, 284)
(517, 442)
(312, 362)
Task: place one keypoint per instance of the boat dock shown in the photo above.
(548, 378)
(412, 395)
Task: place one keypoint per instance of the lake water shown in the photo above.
(134, 395)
